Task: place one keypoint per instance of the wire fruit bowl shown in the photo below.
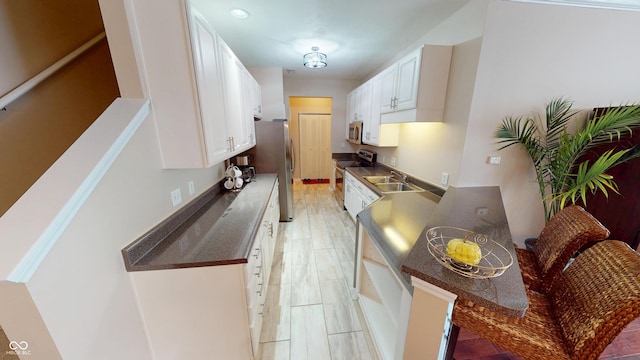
(494, 261)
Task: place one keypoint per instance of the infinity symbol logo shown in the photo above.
(22, 345)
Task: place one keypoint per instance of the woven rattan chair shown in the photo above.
(587, 306)
(567, 232)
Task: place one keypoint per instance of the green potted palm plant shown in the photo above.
(558, 156)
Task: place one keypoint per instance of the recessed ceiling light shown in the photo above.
(239, 13)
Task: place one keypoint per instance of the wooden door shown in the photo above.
(315, 146)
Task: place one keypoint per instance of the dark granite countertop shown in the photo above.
(217, 228)
(398, 222)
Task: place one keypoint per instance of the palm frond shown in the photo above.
(558, 114)
(555, 152)
(590, 178)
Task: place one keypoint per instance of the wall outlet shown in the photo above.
(494, 160)
(393, 161)
(192, 187)
(176, 197)
(444, 178)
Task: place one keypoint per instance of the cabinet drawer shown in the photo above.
(255, 291)
(255, 257)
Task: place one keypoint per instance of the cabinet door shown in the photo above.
(248, 139)
(372, 128)
(388, 89)
(234, 104)
(351, 111)
(256, 95)
(210, 93)
(408, 78)
(364, 102)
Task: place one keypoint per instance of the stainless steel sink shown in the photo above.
(398, 187)
(379, 179)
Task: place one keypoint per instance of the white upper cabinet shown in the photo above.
(407, 85)
(388, 84)
(364, 104)
(234, 96)
(252, 106)
(359, 103)
(256, 98)
(236, 128)
(195, 82)
(399, 89)
(411, 90)
(210, 90)
(376, 133)
(415, 87)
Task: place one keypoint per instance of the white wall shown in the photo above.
(82, 290)
(337, 90)
(530, 54)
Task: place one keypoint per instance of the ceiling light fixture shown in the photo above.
(315, 59)
(239, 13)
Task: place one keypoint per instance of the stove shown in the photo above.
(363, 158)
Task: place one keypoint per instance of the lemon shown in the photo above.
(463, 251)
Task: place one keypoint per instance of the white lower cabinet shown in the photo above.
(402, 325)
(356, 195)
(209, 311)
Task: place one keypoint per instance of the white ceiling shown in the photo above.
(358, 36)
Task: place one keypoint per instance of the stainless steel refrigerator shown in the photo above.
(274, 153)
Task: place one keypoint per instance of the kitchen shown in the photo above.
(442, 143)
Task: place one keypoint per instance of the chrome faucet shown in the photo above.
(402, 177)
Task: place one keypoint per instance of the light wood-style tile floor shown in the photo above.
(310, 310)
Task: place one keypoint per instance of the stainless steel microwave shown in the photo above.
(355, 132)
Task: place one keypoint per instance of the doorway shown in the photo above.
(315, 146)
(303, 105)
